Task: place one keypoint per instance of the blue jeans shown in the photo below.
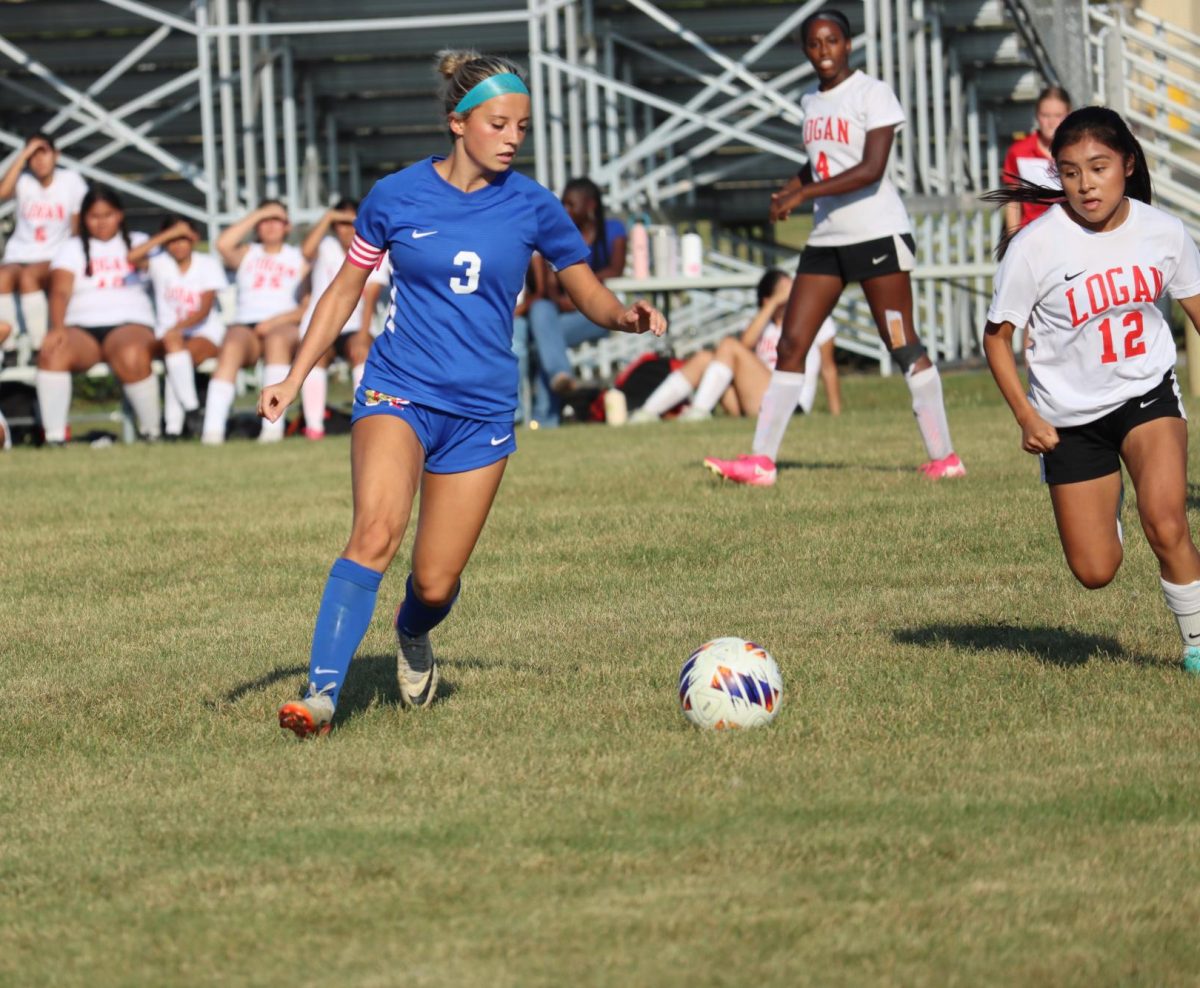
(553, 333)
(521, 349)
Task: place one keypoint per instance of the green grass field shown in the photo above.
(981, 774)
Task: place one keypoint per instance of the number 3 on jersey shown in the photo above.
(471, 262)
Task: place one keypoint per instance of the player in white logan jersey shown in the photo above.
(737, 373)
(99, 310)
(326, 253)
(1085, 278)
(266, 321)
(188, 327)
(862, 233)
(48, 200)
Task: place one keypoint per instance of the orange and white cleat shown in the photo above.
(311, 716)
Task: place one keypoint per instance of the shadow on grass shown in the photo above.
(1050, 646)
(1193, 496)
(868, 467)
(370, 681)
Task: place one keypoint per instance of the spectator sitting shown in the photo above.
(267, 319)
(99, 310)
(188, 327)
(48, 202)
(737, 374)
(555, 323)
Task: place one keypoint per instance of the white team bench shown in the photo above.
(124, 415)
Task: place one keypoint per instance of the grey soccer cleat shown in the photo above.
(416, 670)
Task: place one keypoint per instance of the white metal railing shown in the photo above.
(1149, 71)
(644, 148)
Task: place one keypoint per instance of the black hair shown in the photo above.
(170, 219)
(42, 136)
(269, 202)
(1102, 125)
(766, 284)
(95, 194)
(824, 14)
(1053, 92)
(461, 69)
(600, 253)
(345, 203)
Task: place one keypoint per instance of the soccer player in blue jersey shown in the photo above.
(435, 408)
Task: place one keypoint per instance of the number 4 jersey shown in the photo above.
(458, 262)
(836, 123)
(1097, 338)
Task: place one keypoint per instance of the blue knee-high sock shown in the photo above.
(415, 617)
(345, 614)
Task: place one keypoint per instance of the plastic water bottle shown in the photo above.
(663, 246)
(691, 247)
(639, 250)
(616, 408)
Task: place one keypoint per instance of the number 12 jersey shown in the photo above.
(1097, 338)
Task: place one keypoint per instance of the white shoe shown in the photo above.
(270, 436)
(210, 440)
(694, 414)
(416, 671)
(642, 416)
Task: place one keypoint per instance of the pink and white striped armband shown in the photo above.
(362, 255)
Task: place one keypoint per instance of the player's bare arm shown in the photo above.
(604, 309)
(1037, 435)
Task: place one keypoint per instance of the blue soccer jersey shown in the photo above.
(458, 263)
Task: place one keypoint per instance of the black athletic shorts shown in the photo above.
(1085, 452)
(99, 332)
(861, 261)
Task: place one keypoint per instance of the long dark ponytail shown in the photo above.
(1102, 125)
(601, 256)
(95, 194)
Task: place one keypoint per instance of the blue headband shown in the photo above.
(493, 85)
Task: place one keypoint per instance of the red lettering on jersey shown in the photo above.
(35, 211)
(1096, 283)
(1076, 318)
(843, 131)
(1118, 294)
(827, 129)
(1141, 290)
(1158, 282)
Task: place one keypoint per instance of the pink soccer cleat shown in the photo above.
(757, 471)
(949, 466)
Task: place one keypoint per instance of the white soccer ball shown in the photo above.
(730, 683)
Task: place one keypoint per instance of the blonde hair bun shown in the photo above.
(450, 60)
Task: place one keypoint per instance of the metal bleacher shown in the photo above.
(682, 109)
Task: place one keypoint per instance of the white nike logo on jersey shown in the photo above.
(423, 233)
(1146, 404)
(879, 260)
(497, 442)
(318, 671)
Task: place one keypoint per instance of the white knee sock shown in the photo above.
(272, 431)
(312, 399)
(173, 412)
(36, 311)
(216, 411)
(143, 399)
(8, 314)
(930, 411)
(812, 376)
(181, 379)
(54, 401)
(716, 378)
(356, 375)
(1184, 602)
(778, 404)
(671, 392)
